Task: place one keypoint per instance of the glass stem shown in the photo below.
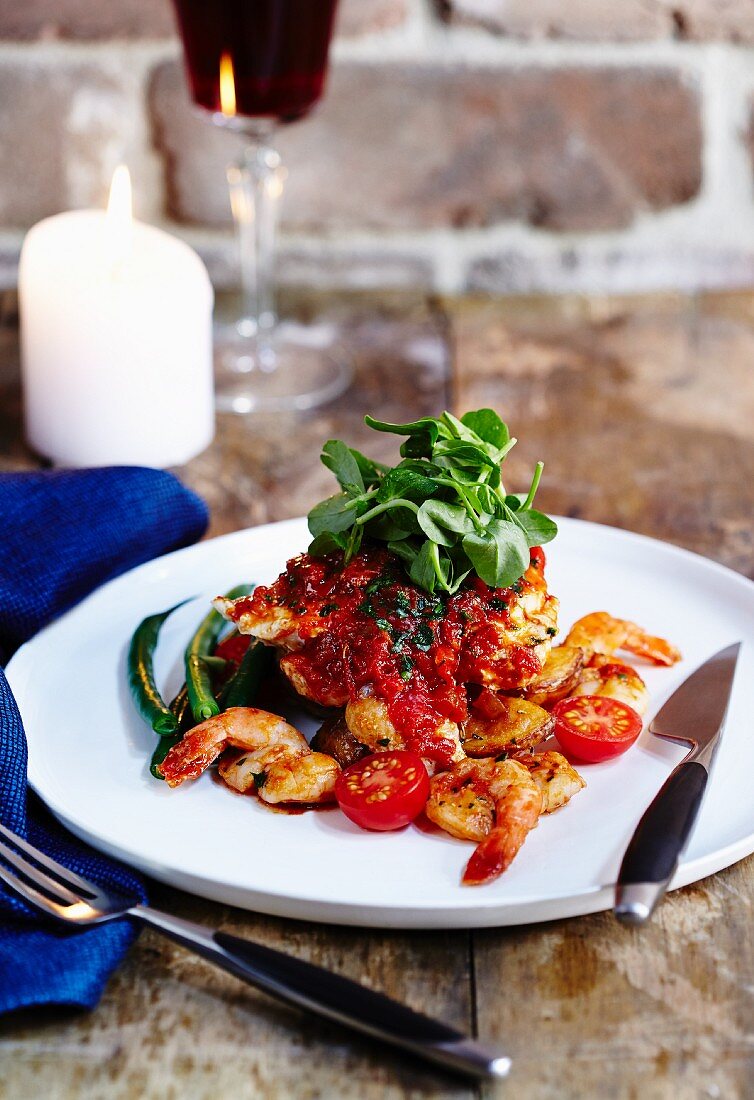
(256, 186)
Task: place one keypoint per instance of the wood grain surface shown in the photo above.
(643, 410)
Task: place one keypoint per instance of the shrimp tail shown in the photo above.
(600, 632)
(193, 754)
(517, 814)
(657, 650)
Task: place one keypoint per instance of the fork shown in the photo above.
(73, 899)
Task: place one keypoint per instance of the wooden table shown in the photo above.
(644, 412)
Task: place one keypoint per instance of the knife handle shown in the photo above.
(655, 848)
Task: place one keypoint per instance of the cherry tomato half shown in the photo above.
(594, 727)
(384, 791)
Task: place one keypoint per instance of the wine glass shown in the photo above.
(253, 65)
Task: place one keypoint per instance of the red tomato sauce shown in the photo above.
(367, 628)
(233, 648)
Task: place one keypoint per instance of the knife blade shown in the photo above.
(694, 715)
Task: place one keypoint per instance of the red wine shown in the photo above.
(277, 49)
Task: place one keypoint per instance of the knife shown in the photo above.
(694, 715)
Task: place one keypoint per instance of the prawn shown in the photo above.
(368, 721)
(283, 779)
(496, 803)
(276, 762)
(557, 780)
(604, 676)
(602, 633)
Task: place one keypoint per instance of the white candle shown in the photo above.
(116, 340)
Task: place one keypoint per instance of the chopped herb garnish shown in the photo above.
(384, 742)
(424, 637)
(382, 580)
(552, 631)
(497, 604)
(406, 668)
(432, 607)
(260, 778)
(328, 609)
(402, 605)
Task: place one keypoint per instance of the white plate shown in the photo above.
(89, 751)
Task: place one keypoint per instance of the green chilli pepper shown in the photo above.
(149, 703)
(241, 690)
(198, 679)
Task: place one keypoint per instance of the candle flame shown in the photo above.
(119, 206)
(119, 217)
(227, 86)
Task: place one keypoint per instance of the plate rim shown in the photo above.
(485, 912)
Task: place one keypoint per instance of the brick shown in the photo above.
(587, 19)
(710, 20)
(608, 20)
(86, 19)
(418, 147)
(359, 17)
(60, 127)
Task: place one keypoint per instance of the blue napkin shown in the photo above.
(63, 533)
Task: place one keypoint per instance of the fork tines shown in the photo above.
(47, 884)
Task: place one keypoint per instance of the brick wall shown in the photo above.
(502, 145)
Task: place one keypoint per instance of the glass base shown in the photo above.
(298, 368)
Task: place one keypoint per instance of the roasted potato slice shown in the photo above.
(501, 723)
(335, 739)
(560, 675)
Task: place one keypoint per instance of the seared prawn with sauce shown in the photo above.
(275, 760)
(557, 779)
(614, 679)
(497, 803)
(600, 632)
(368, 719)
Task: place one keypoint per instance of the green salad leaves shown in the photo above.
(443, 510)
